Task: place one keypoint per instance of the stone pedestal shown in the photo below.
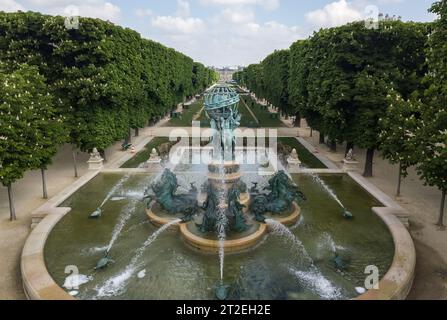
(294, 162)
(154, 162)
(96, 162)
(350, 165)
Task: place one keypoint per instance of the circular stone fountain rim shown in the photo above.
(395, 285)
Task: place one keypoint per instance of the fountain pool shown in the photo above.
(149, 263)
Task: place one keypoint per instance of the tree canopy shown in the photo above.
(108, 78)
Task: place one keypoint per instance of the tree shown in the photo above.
(108, 78)
(398, 131)
(431, 138)
(26, 124)
(275, 70)
(352, 70)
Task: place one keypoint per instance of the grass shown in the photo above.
(263, 115)
(185, 119)
(144, 155)
(247, 120)
(306, 157)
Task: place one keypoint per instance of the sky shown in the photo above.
(227, 32)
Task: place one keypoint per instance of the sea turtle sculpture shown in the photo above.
(348, 215)
(96, 214)
(104, 262)
(222, 291)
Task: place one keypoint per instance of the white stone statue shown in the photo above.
(95, 155)
(154, 157)
(349, 163)
(293, 159)
(350, 155)
(96, 161)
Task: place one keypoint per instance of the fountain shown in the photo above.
(261, 242)
(228, 208)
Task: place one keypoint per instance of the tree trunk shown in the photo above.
(441, 212)
(369, 163)
(321, 137)
(75, 164)
(137, 132)
(297, 121)
(103, 155)
(128, 138)
(44, 184)
(12, 210)
(399, 181)
(349, 146)
(333, 146)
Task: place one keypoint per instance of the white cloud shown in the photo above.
(182, 23)
(267, 4)
(87, 8)
(178, 24)
(228, 15)
(10, 6)
(183, 8)
(334, 14)
(232, 44)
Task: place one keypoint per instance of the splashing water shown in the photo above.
(222, 223)
(327, 189)
(329, 241)
(116, 284)
(313, 279)
(114, 189)
(95, 250)
(282, 231)
(222, 237)
(125, 215)
(74, 281)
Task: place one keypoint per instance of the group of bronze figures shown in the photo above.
(276, 198)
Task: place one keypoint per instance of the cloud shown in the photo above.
(87, 8)
(180, 25)
(231, 44)
(241, 16)
(267, 4)
(10, 6)
(334, 14)
(183, 8)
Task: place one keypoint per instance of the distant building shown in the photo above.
(226, 73)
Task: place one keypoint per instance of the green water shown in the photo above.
(275, 269)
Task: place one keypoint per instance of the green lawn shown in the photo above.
(187, 115)
(264, 116)
(306, 157)
(143, 155)
(247, 120)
